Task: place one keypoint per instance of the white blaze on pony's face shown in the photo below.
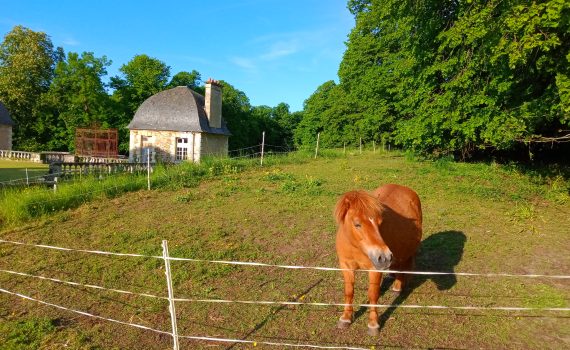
(378, 252)
(360, 214)
(366, 230)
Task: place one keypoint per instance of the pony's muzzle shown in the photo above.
(381, 258)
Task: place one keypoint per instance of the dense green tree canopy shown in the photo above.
(448, 77)
(190, 79)
(27, 61)
(88, 106)
(49, 96)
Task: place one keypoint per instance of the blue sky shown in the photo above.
(273, 50)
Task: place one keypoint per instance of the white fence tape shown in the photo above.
(82, 312)
(78, 250)
(295, 267)
(82, 285)
(225, 340)
(300, 267)
(295, 303)
(212, 339)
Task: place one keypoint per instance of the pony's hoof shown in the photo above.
(373, 331)
(396, 290)
(343, 324)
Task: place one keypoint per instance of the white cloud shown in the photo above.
(281, 49)
(245, 63)
(69, 41)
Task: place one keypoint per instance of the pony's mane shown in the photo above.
(360, 201)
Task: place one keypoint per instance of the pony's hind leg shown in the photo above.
(346, 318)
(375, 279)
(403, 278)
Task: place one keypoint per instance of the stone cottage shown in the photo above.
(5, 129)
(179, 124)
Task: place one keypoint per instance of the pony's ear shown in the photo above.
(341, 208)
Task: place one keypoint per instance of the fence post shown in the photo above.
(317, 148)
(55, 184)
(27, 178)
(148, 168)
(344, 149)
(262, 146)
(170, 294)
(361, 145)
(374, 146)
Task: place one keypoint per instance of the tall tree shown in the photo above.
(236, 111)
(330, 112)
(501, 66)
(76, 98)
(190, 79)
(27, 60)
(286, 124)
(449, 77)
(142, 77)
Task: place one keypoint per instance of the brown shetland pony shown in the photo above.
(376, 231)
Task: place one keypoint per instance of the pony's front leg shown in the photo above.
(375, 279)
(346, 318)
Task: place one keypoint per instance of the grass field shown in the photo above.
(12, 169)
(477, 218)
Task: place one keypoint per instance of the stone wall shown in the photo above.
(164, 145)
(214, 145)
(6, 137)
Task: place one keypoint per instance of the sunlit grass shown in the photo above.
(477, 218)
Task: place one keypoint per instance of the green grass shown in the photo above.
(24, 335)
(13, 170)
(477, 218)
(21, 204)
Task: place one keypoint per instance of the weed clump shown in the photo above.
(27, 334)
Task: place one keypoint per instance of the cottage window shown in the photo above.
(181, 148)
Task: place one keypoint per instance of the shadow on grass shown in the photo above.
(439, 252)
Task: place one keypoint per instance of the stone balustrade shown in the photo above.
(55, 157)
(20, 155)
(59, 169)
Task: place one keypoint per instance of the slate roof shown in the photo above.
(5, 116)
(176, 109)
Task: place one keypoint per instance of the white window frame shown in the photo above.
(181, 149)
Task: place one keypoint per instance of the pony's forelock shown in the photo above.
(359, 201)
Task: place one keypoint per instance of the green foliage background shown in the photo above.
(440, 78)
(448, 77)
(49, 95)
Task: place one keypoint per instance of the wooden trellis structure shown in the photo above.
(96, 143)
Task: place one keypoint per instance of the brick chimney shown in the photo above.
(213, 103)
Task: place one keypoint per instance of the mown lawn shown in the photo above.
(477, 218)
(13, 170)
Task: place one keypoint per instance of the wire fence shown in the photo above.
(239, 153)
(244, 153)
(259, 151)
(53, 192)
(171, 299)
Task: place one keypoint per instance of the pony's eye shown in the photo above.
(357, 225)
